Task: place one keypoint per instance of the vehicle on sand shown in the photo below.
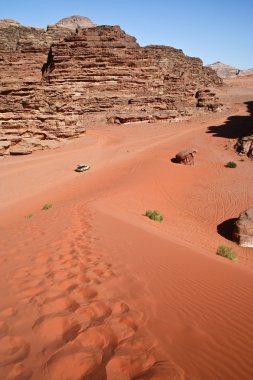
(82, 168)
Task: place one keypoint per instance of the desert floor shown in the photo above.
(93, 289)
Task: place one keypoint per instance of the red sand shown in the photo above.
(92, 289)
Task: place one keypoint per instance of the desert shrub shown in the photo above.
(227, 252)
(47, 206)
(154, 215)
(29, 216)
(231, 164)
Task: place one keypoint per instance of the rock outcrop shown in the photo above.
(244, 146)
(76, 22)
(207, 100)
(243, 229)
(96, 74)
(186, 156)
(227, 71)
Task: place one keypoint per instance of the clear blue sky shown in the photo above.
(217, 30)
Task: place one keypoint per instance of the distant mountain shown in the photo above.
(227, 71)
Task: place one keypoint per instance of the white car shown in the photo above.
(82, 167)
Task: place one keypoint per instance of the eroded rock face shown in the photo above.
(244, 146)
(207, 100)
(26, 117)
(109, 76)
(243, 229)
(97, 74)
(23, 49)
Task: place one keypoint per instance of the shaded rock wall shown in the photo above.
(95, 74)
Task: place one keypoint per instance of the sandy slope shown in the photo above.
(93, 289)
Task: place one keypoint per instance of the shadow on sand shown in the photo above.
(225, 229)
(174, 160)
(236, 126)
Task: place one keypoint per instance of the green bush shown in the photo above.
(154, 215)
(227, 252)
(231, 164)
(47, 206)
(29, 216)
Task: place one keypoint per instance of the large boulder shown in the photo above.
(243, 229)
(244, 145)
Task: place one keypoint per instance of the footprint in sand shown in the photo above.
(13, 349)
(28, 283)
(121, 330)
(119, 308)
(55, 331)
(61, 274)
(67, 285)
(84, 294)
(95, 311)
(21, 273)
(51, 294)
(30, 293)
(128, 363)
(8, 312)
(69, 264)
(83, 279)
(75, 363)
(59, 304)
(4, 328)
(19, 372)
(101, 337)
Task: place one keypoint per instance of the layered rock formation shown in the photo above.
(98, 74)
(244, 146)
(227, 71)
(243, 229)
(23, 49)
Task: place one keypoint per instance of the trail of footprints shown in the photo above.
(75, 334)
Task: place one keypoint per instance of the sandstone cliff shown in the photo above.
(94, 74)
(23, 49)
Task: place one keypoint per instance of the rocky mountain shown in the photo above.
(97, 74)
(227, 71)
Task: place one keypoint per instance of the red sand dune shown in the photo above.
(92, 289)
